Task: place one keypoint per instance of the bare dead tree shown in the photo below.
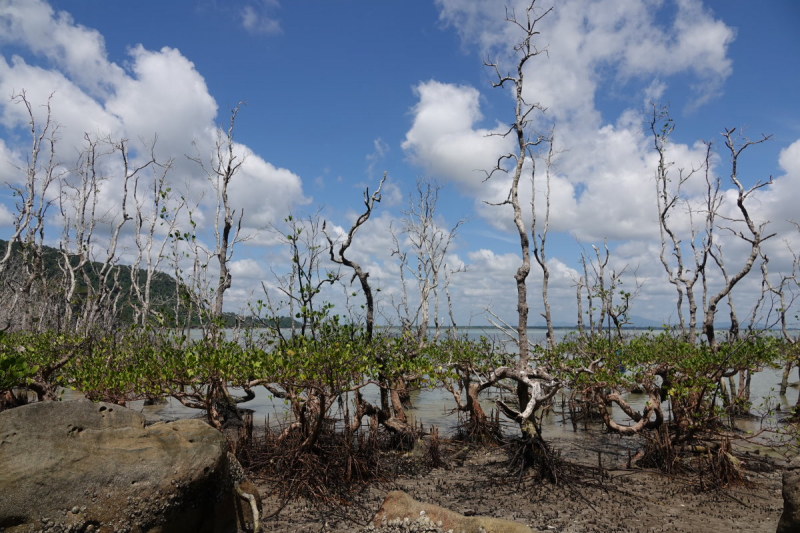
(601, 284)
(221, 167)
(422, 255)
(530, 393)
(424, 260)
(74, 288)
(619, 313)
(358, 271)
(448, 280)
(682, 275)
(708, 223)
(753, 235)
(702, 241)
(519, 129)
(596, 285)
(364, 408)
(739, 397)
(32, 204)
(299, 289)
(189, 259)
(79, 203)
(580, 284)
(584, 282)
(31, 295)
(539, 236)
(155, 221)
(786, 293)
(31, 196)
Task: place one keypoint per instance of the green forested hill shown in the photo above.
(164, 289)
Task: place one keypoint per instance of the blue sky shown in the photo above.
(339, 92)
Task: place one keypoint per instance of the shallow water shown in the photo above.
(436, 406)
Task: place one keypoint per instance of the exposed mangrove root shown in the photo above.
(484, 430)
(433, 455)
(327, 474)
(659, 453)
(706, 465)
(535, 456)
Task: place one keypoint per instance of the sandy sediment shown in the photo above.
(480, 482)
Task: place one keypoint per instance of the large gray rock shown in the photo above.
(400, 512)
(790, 518)
(83, 466)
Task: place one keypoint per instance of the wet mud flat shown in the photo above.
(599, 493)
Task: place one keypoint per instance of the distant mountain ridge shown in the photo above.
(164, 289)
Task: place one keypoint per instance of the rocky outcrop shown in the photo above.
(790, 518)
(83, 466)
(400, 512)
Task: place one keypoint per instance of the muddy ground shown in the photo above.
(479, 480)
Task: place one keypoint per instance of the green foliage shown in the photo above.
(143, 362)
(115, 368)
(334, 361)
(15, 370)
(689, 375)
(694, 365)
(455, 358)
(38, 361)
